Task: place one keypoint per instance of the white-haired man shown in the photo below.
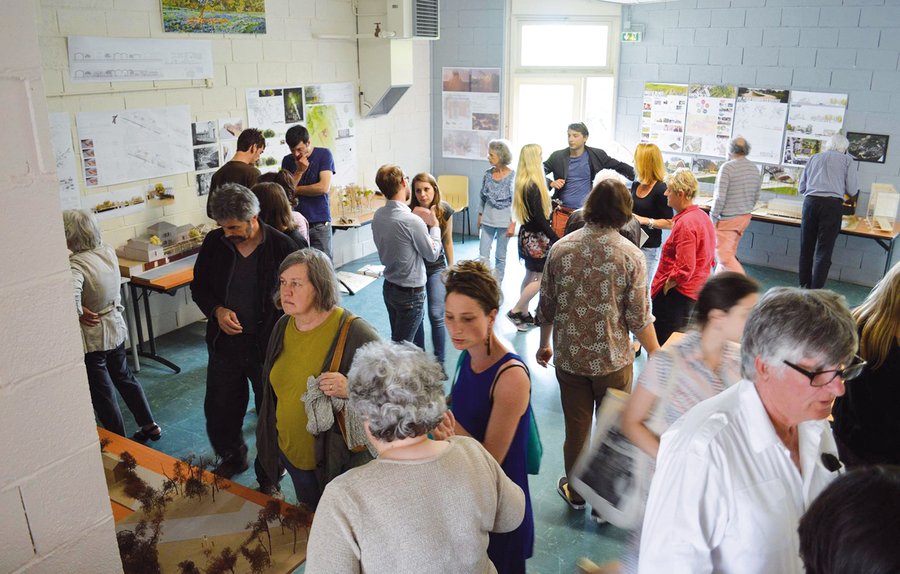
(735, 473)
(827, 177)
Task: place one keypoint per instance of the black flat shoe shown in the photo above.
(154, 433)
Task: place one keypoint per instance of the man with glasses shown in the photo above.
(735, 474)
(405, 239)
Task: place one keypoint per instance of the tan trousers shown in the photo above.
(580, 396)
(728, 236)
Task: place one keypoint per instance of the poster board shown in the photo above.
(710, 119)
(470, 111)
(813, 117)
(331, 119)
(759, 117)
(66, 166)
(129, 145)
(663, 116)
(273, 111)
(99, 59)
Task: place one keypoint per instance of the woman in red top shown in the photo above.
(687, 259)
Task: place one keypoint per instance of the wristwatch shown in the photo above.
(650, 224)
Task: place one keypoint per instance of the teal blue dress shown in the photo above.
(472, 404)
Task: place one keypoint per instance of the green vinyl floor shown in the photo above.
(562, 535)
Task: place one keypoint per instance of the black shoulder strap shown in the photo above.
(516, 363)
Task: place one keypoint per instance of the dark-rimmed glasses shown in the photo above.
(850, 372)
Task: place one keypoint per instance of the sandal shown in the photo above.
(154, 433)
(562, 488)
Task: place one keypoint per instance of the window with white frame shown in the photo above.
(561, 71)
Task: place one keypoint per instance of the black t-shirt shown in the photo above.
(232, 172)
(243, 298)
(653, 206)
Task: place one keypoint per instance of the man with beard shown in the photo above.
(235, 278)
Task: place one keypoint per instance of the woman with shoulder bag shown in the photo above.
(531, 207)
(491, 397)
(705, 362)
(304, 423)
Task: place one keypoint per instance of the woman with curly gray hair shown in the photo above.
(387, 515)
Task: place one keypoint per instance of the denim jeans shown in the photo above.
(819, 227)
(488, 234)
(651, 256)
(320, 237)
(436, 292)
(106, 371)
(406, 312)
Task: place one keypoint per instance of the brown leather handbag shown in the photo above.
(339, 416)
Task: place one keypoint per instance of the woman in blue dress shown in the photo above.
(491, 396)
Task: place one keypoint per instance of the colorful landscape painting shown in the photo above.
(214, 16)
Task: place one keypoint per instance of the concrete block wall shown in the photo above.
(54, 508)
(288, 53)
(472, 35)
(847, 46)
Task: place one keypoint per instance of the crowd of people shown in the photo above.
(730, 412)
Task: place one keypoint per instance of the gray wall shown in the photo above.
(471, 36)
(847, 46)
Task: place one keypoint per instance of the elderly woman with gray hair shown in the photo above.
(95, 276)
(495, 207)
(423, 505)
(304, 423)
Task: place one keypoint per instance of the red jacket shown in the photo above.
(688, 255)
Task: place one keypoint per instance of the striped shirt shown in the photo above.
(737, 189)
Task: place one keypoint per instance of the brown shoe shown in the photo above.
(574, 501)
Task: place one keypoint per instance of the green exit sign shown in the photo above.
(631, 36)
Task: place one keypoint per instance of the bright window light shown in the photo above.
(565, 45)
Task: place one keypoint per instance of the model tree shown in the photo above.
(258, 558)
(188, 567)
(296, 518)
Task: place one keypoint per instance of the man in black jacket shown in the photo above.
(235, 278)
(574, 168)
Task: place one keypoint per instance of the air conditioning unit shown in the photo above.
(413, 19)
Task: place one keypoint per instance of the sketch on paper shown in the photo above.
(812, 119)
(206, 157)
(64, 154)
(230, 128)
(203, 182)
(759, 116)
(128, 145)
(214, 16)
(100, 59)
(203, 132)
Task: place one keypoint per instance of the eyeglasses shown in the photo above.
(846, 374)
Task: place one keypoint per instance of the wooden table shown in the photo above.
(233, 512)
(167, 279)
(858, 227)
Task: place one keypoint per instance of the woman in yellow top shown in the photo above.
(304, 424)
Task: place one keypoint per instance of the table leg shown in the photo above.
(150, 337)
(132, 333)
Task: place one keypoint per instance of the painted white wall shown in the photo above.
(846, 46)
(53, 501)
(288, 54)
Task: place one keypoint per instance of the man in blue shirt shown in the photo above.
(574, 168)
(405, 240)
(827, 177)
(312, 168)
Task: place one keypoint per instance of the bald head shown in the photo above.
(739, 147)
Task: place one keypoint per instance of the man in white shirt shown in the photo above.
(735, 474)
(405, 239)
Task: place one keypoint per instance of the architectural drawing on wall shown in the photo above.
(674, 162)
(663, 115)
(812, 119)
(203, 182)
(868, 147)
(710, 117)
(274, 111)
(64, 154)
(782, 180)
(331, 120)
(203, 133)
(214, 16)
(116, 203)
(759, 117)
(706, 170)
(470, 111)
(230, 128)
(99, 59)
(128, 145)
(206, 157)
